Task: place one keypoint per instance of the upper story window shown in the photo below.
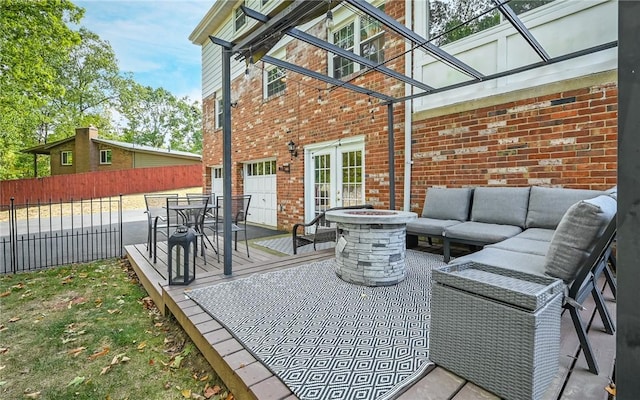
(239, 18)
(219, 110)
(451, 20)
(275, 82)
(66, 158)
(105, 156)
(363, 36)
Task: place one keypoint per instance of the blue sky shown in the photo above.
(151, 39)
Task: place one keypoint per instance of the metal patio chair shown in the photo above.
(155, 208)
(239, 213)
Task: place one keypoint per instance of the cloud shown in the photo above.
(150, 39)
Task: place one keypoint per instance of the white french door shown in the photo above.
(334, 175)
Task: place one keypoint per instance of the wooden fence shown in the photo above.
(100, 184)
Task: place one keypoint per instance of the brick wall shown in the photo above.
(562, 138)
(565, 139)
(120, 158)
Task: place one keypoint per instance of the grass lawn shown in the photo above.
(90, 332)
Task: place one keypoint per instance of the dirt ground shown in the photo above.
(129, 202)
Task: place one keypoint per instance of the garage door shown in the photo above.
(260, 183)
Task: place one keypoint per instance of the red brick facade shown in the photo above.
(566, 138)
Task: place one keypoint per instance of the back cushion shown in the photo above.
(548, 205)
(500, 205)
(447, 203)
(576, 234)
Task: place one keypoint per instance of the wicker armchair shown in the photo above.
(321, 232)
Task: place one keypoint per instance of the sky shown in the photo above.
(151, 40)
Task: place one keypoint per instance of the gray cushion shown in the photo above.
(429, 226)
(548, 205)
(447, 203)
(577, 233)
(525, 262)
(481, 232)
(523, 245)
(500, 205)
(537, 234)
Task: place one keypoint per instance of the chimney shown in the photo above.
(85, 155)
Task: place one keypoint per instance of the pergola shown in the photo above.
(283, 21)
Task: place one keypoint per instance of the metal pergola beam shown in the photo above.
(314, 41)
(407, 33)
(324, 78)
(511, 16)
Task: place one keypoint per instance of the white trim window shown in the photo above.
(239, 18)
(219, 110)
(66, 158)
(275, 81)
(261, 168)
(363, 36)
(105, 157)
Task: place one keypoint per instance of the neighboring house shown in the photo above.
(86, 152)
(553, 125)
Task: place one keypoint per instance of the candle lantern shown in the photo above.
(182, 256)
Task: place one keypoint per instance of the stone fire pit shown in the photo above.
(371, 245)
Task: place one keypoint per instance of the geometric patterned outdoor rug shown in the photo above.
(328, 339)
(283, 245)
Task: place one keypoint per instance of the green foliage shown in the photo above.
(55, 79)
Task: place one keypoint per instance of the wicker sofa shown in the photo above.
(559, 233)
(516, 218)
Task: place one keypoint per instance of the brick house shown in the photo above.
(552, 125)
(87, 152)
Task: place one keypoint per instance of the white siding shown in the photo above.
(561, 27)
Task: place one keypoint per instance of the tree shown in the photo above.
(155, 117)
(450, 20)
(34, 37)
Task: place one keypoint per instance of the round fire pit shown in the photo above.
(371, 245)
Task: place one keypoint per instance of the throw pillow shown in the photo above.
(576, 234)
(447, 203)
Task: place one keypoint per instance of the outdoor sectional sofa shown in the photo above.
(510, 218)
(560, 233)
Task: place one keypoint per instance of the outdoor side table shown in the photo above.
(496, 327)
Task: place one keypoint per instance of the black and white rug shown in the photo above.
(328, 339)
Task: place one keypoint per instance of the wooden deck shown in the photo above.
(247, 378)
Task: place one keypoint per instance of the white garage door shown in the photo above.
(260, 183)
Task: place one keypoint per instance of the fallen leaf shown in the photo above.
(67, 279)
(15, 319)
(76, 381)
(186, 393)
(3, 328)
(100, 353)
(105, 370)
(125, 359)
(5, 294)
(176, 362)
(3, 350)
(33, 395)
(611, 389)
(98, 302)
(115, 360)
(151, 362)
(75, 352)
(18, 286)
(68, 340)
(158, 324)
(204, 378)
(211, 391)
(83, 275)
(115, 311)
(230, 396)
(142, 346)
(2, 383)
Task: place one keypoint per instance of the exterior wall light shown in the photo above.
(292, 148)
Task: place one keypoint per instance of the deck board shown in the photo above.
(247, 378)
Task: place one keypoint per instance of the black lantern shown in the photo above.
(292, 149)
(182, 267)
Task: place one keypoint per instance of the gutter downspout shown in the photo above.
(408, 112)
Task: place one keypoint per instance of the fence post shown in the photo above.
(13, 236)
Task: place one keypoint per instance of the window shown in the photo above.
(371, 39)
(239, 18)
(261, 168)
(451, 20)
(66, 158)
(217, 172)
(219, 110)
(105, 156)
(344, 38)
(363, 36)
(275, 81)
